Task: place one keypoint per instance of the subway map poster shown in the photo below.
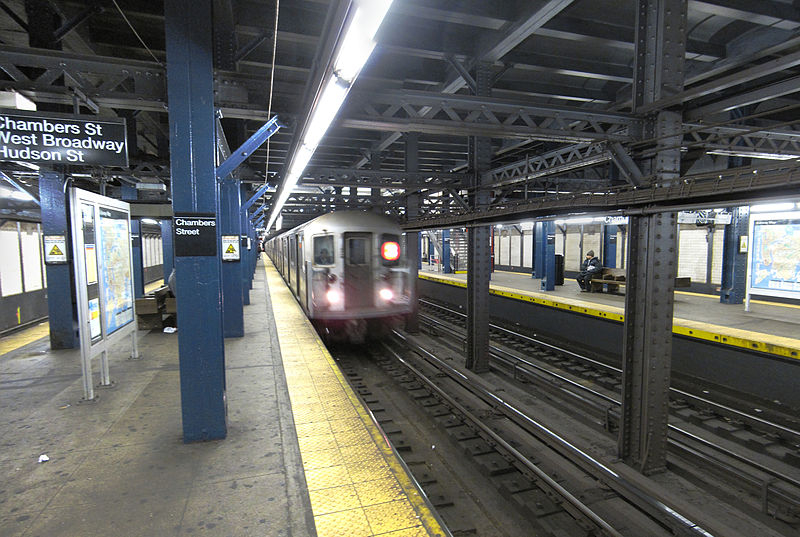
(775, 257)
(116, 268)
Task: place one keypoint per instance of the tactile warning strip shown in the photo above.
(356, 484)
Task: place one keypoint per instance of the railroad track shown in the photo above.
(702, 432)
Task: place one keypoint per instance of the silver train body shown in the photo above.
(349, 272)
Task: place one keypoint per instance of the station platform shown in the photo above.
(302, 457)
(769, 327)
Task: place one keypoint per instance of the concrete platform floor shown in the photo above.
(119, 467)
(765, 317)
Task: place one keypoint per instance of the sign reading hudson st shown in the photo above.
(46, 138)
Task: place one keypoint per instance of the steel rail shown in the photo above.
(788, 433)
(657, 509)
(755, 481)
(574, 502)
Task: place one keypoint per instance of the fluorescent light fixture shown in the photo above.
(328, 106)
(772, 207)
(13, 99)
(752, 154)
(353, 51)
(150, 221)
(28, 165)
(359, 41)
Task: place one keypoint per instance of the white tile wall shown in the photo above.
(692, 253)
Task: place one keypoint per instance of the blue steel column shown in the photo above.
(194, 190)
(244, 267)
(539, 249)
(167, 252)
(60, 291)
(609, 246)
(548, 247)
(231, 224)
(136, 258)
(734, 262)
(446, 268)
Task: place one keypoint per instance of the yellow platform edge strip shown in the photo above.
(692, 329)
(429, 523)
(24, 337)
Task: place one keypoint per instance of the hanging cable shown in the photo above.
(137, 33)
(272, 82)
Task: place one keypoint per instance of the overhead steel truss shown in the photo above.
(100, 81)
(714, 189)
(352, 177)
(436, 113)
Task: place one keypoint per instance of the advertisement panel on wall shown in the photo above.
(774, 255)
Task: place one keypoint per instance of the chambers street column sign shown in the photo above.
(48, 138)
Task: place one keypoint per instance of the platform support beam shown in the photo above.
(231, 224)
(136, 258)
(548, 246)
(194, 190)
(734, 258)
(62, 312)
(478, 241)
(167, 252)
(413, 239)
(609, 246)
(539, 247)
(661, 27)
(246, 274)
(446, 266)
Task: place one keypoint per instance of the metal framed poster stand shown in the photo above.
(101, 240)
(772, 264)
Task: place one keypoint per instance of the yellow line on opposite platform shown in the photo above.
(757, 341)
(356, 484)
(19, 339)
(152, 286)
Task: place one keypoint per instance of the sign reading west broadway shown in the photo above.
(48, 138)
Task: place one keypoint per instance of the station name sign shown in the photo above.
(195, 234)
(46, 138)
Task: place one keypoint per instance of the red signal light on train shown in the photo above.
(390, 251)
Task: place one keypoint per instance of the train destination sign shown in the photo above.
(195, 234)
(62, 139)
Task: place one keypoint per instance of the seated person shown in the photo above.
(590, 266)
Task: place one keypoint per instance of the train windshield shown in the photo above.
(323, 250)
(390, 250)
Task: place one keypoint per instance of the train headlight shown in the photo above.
(386, 294)
(333, 296)
(390, 251)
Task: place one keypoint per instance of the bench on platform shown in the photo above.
(614, 278)
(151, 309)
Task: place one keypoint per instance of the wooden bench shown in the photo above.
(151, 308)
(614, 278)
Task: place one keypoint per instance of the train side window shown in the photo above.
(390, 250)
(357, 251)
(323, 250)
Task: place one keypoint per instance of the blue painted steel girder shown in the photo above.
(194, 190)
(231, 224)
(547, 243)
(136, 258)
(63, 316)
(251, 144)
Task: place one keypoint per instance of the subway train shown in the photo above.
(349, 272)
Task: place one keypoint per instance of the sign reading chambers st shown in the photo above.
(195, 234)
(47, 138)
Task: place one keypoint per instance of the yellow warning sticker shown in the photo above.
(230, 247)
(56, 251)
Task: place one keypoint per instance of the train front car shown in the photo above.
(358, 274)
